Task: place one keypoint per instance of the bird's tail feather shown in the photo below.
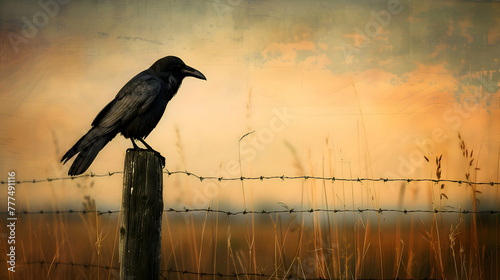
(87, 149)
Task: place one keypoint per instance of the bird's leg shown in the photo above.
(135, 145)
(162, 158)
(146, 144)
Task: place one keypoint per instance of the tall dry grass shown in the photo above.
(302, 245)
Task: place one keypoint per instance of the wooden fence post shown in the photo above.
(142, 208)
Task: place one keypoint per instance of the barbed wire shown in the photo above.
(262, 178)
(184, 272)
(317, 210)
(333, 179)
(71, 264)
(57, 212)
(265, 212)
(50, 179)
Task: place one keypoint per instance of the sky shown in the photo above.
(351, 89)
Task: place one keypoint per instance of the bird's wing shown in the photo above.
(133, 99)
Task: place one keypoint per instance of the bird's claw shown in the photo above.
(162, 158)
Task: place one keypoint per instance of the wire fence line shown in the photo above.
(183, 272)
(262, 178)
(290, 211)
(265, 212)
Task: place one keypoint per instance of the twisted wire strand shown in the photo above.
(184, 272)
(264, 211)
(262, 178)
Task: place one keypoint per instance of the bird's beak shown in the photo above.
(190, 71)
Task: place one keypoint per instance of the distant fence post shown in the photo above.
(142, 208)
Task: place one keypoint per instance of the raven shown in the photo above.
(135, 111)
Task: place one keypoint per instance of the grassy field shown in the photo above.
(346, 244)
(314, 245)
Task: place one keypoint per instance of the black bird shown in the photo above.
(135, 111)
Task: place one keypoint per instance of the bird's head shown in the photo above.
(174, 66)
